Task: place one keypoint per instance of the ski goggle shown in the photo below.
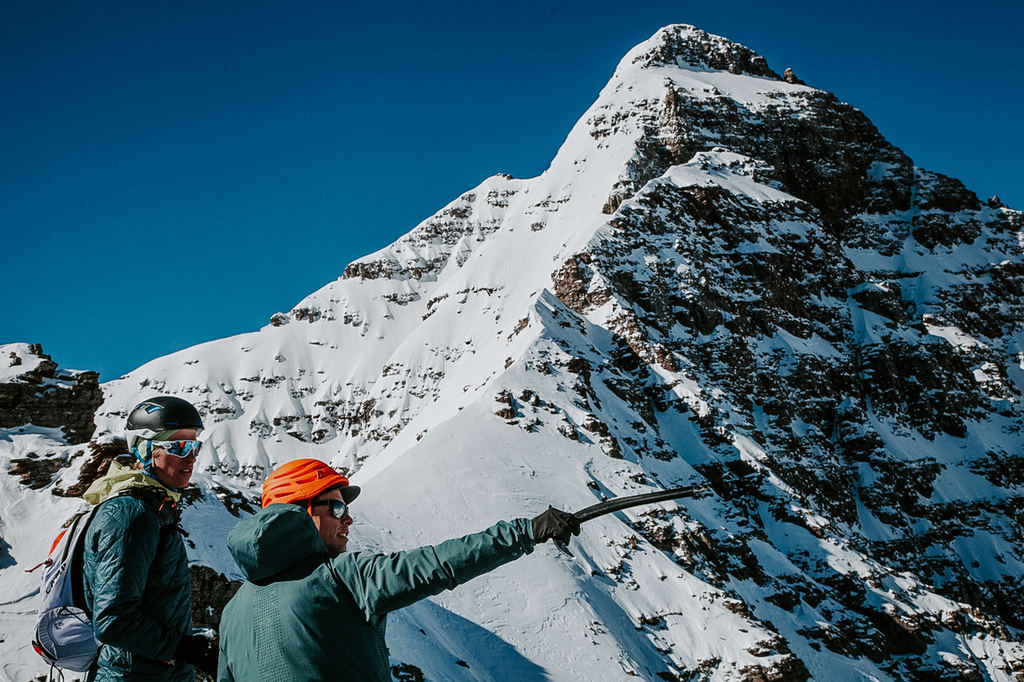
(339, 509)
(178, 448)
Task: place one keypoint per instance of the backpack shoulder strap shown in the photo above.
(76, 547)
(168, 515)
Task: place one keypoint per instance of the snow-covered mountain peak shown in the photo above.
(724, 277)
(689, 47)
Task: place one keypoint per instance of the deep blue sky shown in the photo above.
(174, 172)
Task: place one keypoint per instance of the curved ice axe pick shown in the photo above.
(619, 503)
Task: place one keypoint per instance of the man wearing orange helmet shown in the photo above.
(309, 611)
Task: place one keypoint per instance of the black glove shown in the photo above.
(555, 524)
(201, 652)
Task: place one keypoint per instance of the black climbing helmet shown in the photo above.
(157, 419)
(163, 413)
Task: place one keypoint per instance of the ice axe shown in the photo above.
(619, 503)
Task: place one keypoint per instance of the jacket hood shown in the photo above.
(273, 540)
(120, 477)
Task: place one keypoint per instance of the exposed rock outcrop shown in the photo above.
(44, 396)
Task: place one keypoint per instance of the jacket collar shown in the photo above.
(277, 538)
(120, 479)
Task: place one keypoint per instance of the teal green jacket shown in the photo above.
(137, 582)
(305, 614)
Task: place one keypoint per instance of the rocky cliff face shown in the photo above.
(822, 370)
(837, 333)
(726, 276)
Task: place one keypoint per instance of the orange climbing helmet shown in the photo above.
(301, 480)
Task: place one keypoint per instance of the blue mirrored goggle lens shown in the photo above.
(338, 507)
(179, 448)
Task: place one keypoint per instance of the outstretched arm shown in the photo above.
(383, 583)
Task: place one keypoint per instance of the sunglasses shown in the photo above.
(339, 509)
(178, 448)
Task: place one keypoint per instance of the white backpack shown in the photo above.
(63, 633)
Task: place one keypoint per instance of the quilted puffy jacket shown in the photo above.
(305, 614)
(136, 577)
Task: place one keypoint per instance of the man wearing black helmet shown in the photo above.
(137, 582)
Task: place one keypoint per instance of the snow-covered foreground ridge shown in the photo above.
(724, 277)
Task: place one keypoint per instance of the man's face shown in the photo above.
(333, 531)
(174, 472)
